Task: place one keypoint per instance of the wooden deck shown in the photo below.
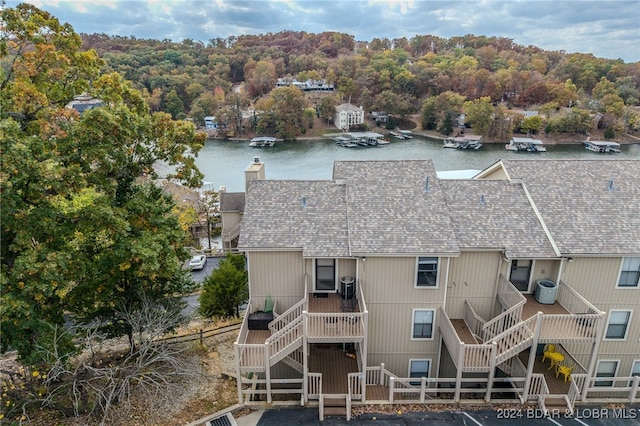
(257, 336)
(463, 331)
(331, 303)
(334, 364)
(557, 386)
(532, 307)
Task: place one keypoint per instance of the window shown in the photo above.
(423, 324)
(630, 272)
(618, 324)
(427, 272)
(606, 369)
(419, 368)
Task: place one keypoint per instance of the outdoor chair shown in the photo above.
(565, 371)
(548, 350)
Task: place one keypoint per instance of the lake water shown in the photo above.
(224, 162)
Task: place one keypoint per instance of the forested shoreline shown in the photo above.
(490, 79)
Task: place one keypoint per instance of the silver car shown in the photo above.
(198, 262)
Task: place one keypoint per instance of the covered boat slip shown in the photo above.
(353, 139)
(602, 146)
(261, 141)
(525, 144)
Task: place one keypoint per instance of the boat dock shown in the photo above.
(463, 142)
(261, 141)
(354, 139)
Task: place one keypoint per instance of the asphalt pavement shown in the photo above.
(583, 416)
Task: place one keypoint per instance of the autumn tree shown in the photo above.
(479, 113)
(83, 226)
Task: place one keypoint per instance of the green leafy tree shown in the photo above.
(327, 108)
(479, 113)
(83, 228)
(225, 289)
(531, 124)
(173, 104)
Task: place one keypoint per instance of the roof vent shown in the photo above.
(256, 160)
(482, 200)
(304, 202)
(610, 187)
(426, 185)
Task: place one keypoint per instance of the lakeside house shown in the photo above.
(348, 115)
(387, 284)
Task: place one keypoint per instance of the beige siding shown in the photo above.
(545, 269)
(230, 219)
(346, 268)
(391, 297)
(596, 279)
(276, 274)
(497, 174)
(473, 277)
(392, 280)
(398, 364)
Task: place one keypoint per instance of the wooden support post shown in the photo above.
(594, 355)
(381, 377)
(392, 383)
(238, 376)
(532, 357)
(423, 387)
(267, 371)
(456, 396)
(634, 389)
(492, 370)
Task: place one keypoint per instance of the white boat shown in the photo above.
(408, 134)
(525, 144)
(397, 135)
(353, 139)
(262, 141)
(601, 146)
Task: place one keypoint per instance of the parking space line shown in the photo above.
(581, 422)
(551, 420)
(472, 419)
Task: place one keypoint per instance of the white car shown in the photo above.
(198, 262)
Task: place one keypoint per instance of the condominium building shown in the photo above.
(387, 284)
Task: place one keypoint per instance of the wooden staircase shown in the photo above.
(335, 405)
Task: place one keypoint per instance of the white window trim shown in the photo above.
(415, 276)
(624, 287)
(418, 359)
(433, 325)
(626, 331)
(612, 379)
(634, 362)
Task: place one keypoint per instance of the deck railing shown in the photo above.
(570, 327)
(477, 358)
(314, 385)
(508, 295)
(355, 385)
(573, 301)
(285, 341)
(570, 361)
(474, 321)
(378, 375)
(619, 387)
(442, 390)
(515, 339)
(231, 233)
(293, 312)
(335, 325)
(512, 300)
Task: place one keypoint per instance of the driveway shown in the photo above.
(200, 275)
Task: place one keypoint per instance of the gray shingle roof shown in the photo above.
(275, 217)
(496, 215)
(389, 210)
(574, 199)
(232, 201)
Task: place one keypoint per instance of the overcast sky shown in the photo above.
(605, 28)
